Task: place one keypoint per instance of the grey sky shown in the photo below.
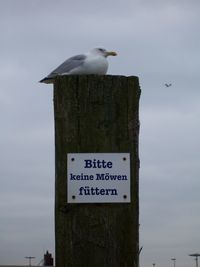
(156, 40)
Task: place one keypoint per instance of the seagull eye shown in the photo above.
(102, 50)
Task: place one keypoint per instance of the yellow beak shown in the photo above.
(111, 53)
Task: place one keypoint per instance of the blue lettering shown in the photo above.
(87, 191)
(97, 163)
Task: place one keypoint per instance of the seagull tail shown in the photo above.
(47, 80)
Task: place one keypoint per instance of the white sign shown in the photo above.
(98, 177)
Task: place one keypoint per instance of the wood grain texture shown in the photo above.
(96, 114)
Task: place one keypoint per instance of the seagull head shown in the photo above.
(103, 52)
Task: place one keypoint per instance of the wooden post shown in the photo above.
(96, 114)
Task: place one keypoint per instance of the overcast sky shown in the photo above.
(158, 41)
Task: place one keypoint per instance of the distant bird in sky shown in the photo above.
(168, 84)
(93, 62)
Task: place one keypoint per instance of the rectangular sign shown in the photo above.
(98, 177)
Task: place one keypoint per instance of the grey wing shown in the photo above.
(68, 65)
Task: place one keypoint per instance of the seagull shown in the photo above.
(168, 84)
(93, 62)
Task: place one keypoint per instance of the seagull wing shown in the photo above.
(65, 67)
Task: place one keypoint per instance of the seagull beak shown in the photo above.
(111, 53)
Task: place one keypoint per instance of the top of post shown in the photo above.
(91, 78)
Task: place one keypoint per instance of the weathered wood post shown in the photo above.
(95, 114)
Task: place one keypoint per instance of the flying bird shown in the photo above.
(168, 84)
(93, 62)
